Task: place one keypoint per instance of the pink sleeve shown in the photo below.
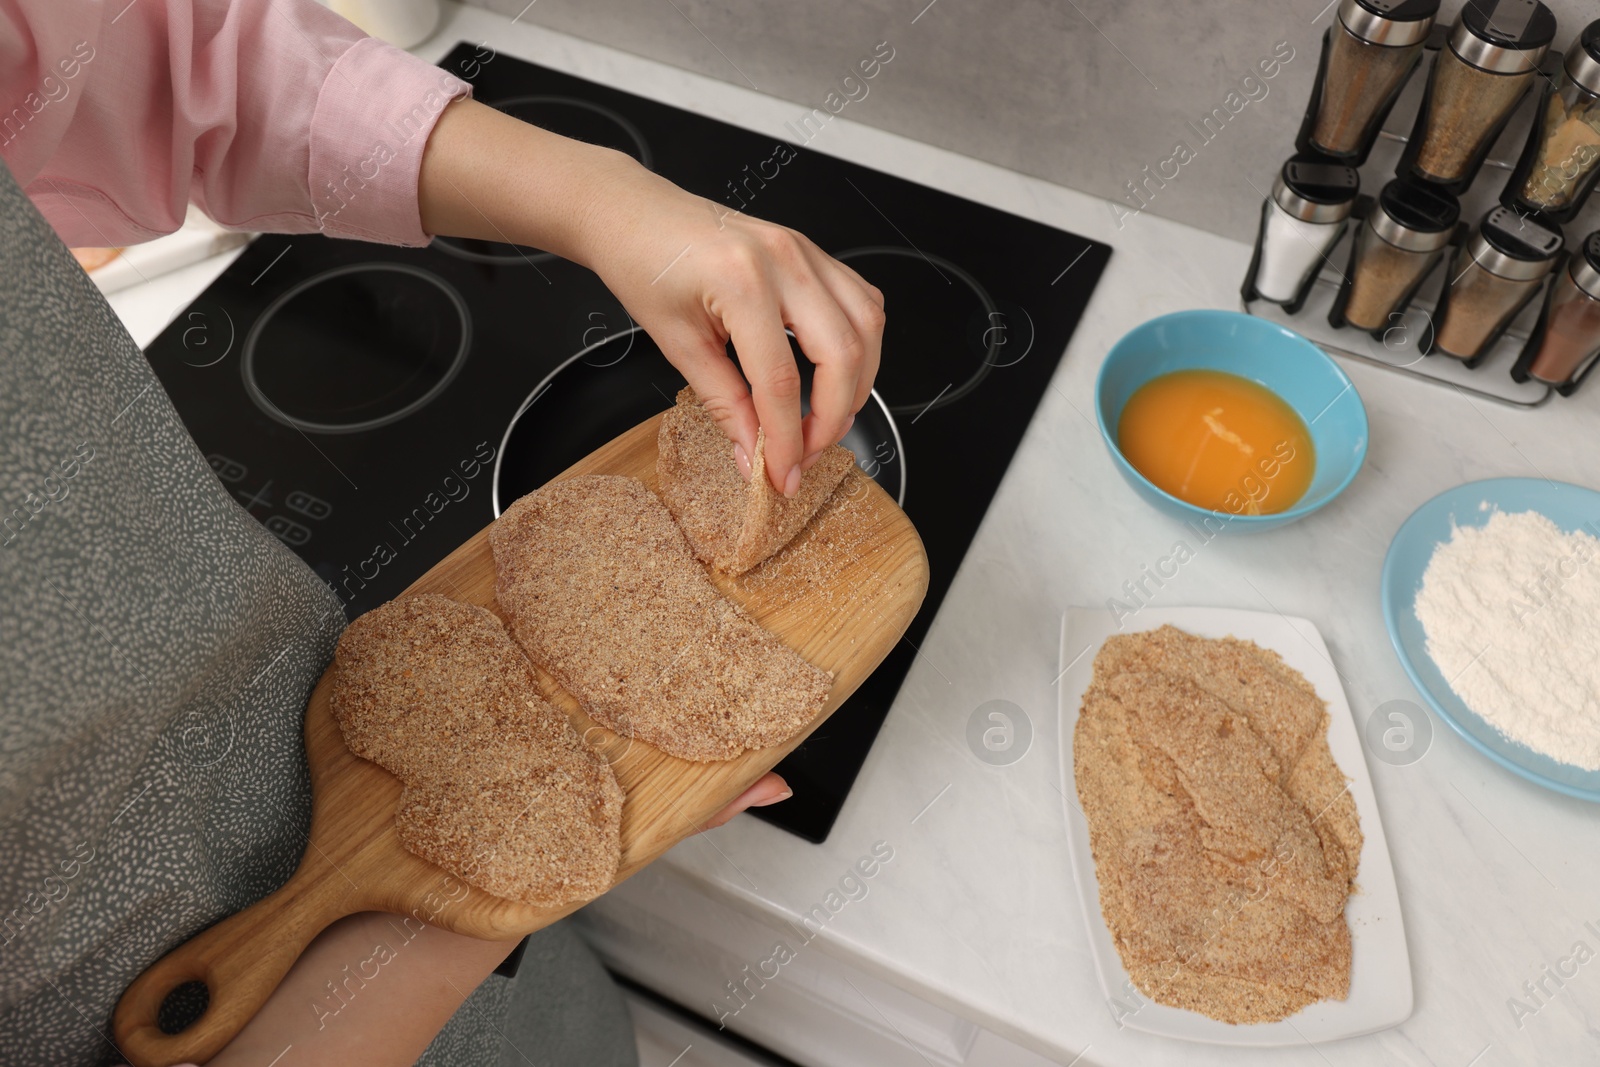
(268, 114)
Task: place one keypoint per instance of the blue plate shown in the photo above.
(1570, 507)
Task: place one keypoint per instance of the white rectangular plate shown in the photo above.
(1380, 970)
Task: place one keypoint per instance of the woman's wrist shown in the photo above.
(371, 989)
(489, 176)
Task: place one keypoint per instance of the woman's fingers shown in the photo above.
(704, 363)
(873, 292)
(769, 789)
(862, 304)
(756, 328)
(830, 341)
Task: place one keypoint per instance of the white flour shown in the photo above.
(1511, 611)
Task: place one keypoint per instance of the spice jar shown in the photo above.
(1494, 50)
(1300, 222)
(1564, 345)
(1366, 57)
(1492, 278)
(1558, 168)
(1405, 235)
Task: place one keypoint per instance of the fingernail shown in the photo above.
(791, 484)
(851, 421)
(742, 459)
(785, 795)
(807, 463)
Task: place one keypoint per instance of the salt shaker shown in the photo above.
(1300, 222)
(1494, 50)
(1367, 55)
(1403, 238)
(1562, 158)
(1492, 278)
(1563, 347)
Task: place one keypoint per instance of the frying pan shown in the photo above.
(616, 383)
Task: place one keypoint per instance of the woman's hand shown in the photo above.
(769, 789)
(692, 273)
(696, 275)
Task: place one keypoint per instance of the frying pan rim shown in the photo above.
(505, 438)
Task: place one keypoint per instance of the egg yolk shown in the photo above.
(1218, 441)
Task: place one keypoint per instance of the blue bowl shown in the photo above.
(1302, 374)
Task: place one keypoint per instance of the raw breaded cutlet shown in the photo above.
(1224, 840)
(604, 593)
(1282, 707)
(499, 788)
(734, 524)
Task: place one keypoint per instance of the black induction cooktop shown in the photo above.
(357, 398)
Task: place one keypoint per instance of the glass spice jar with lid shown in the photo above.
(1565, 344)
(1478, 79)
(1404, 237)
(1558, 167)
(1300, 222)
(1492, 278)
(1367, 55)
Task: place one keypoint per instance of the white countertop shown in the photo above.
(978, 912)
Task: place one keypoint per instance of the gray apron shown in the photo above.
(157, 646)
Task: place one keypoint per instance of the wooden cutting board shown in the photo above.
(842, 594)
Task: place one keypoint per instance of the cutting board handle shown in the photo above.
(241, 960)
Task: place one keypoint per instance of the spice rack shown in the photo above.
(1405, 347)
(1493, 62)
(1406, 344)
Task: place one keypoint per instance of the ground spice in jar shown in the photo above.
(1567, 133)
(1481, 305)
(1571, 339)
(1403, 238)
(1371, 51)
(1570, 150)
(1500, 268)
(1495, 48)
(1467, 105)
(1384, 275)
(1571, 335)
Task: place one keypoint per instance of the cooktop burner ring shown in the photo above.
(250, 370)
(946, 269)
(890, 453)
(511, 254)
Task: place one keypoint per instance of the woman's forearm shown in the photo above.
(490, 176)
(372, 989)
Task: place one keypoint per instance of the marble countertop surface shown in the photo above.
(978, 913)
